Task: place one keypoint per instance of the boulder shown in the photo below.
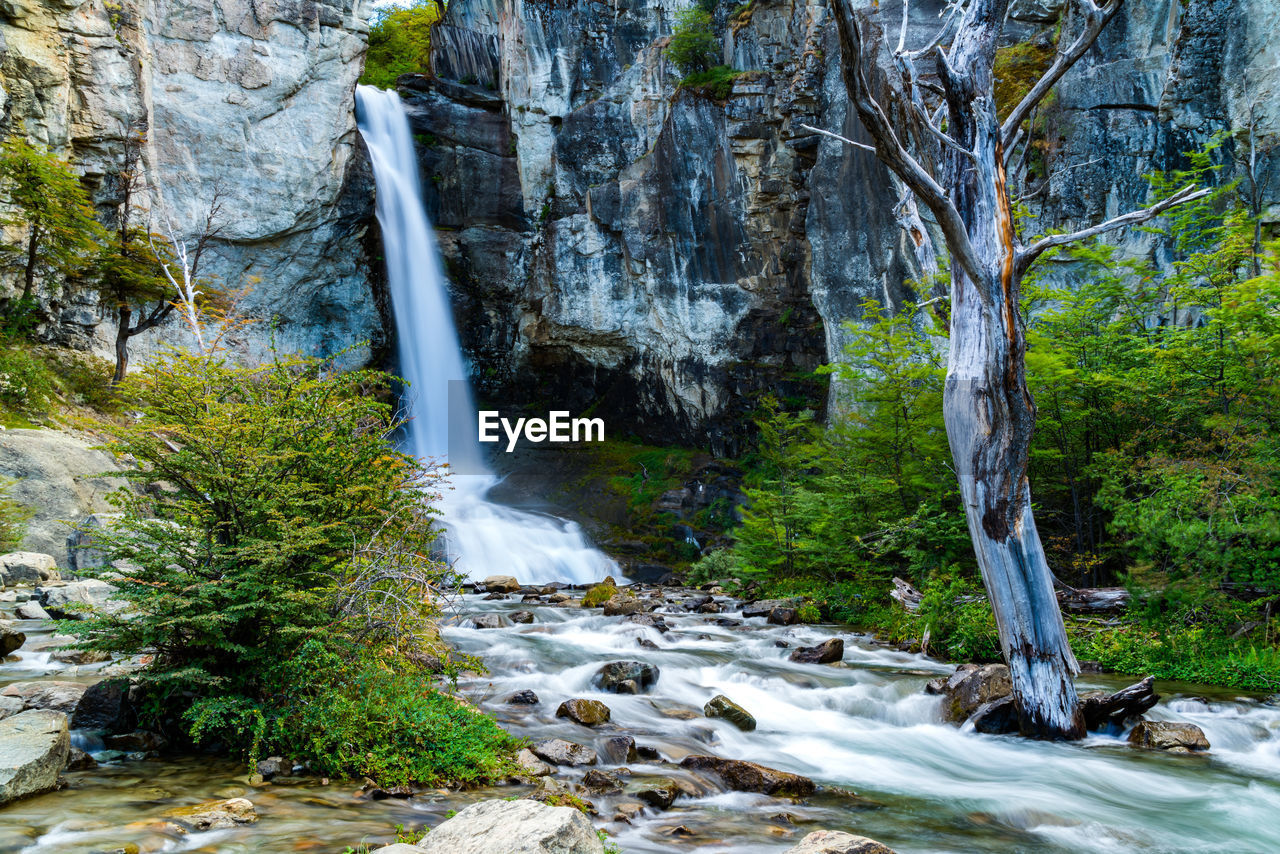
(655, 621)
(970, 687)
(488, 621)
(71, 601)
(601, 782)
(765, 607)
(138, 741)
(743, 776)
(10, 706)
(34, 747)
(10, 638)
(557, 751)
(824, 653)
(721, 706)
(29, 568)
(514, 827)
(623, 605)
(523, 698)
(585, 712)
(530, 765)
(658, 793)
(784, 616)
(31, 611)
(78, 760)
(213, 815)
(626, 677)
(398, 848)
(521, 617)
(84, 543)
(59, 477)
(273, 766)
(105, 707)
(999, 717)
(80, 656)
(501, 584)
(837, 842)
(47, 694)
(1173, 736)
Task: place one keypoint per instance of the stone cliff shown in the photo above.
(248, 102)
(660, 255)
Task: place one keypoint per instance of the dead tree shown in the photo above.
(947, 146)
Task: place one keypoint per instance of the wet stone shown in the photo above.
(522, 617)
(523, 698)
(584, 712)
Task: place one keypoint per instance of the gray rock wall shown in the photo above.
(251, 102)
(663, 256)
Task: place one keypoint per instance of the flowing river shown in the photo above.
(862, 729)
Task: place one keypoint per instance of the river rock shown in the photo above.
(658, 793)
(970, 687)
(30, 568)
(623, 605)
(521, 617)
(557, 751)
(72, 601)
(655, 621)
(523, 698)
(620, 750)
(779, 612)
(742, 776)
(80, 657)
(501, 584)
(585, 712)
(31, 611)
(138, 741)
(10, 706)
(530, 765)
(626, 677)
(273, 766)
(10, 638)
(838, 842)
(106, 707)
(999, 717)
(214, 815)
(488, 621)
(514, 827)
(721, 706)
(602, 782)
(78, 760)
(828, 651)
(34, 747)
(47, 694)
(1173, 736)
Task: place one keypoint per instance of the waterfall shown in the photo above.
(482, 537)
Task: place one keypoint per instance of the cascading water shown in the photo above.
(481, 536)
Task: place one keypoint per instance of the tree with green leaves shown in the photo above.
(46, 198)
(694, 46)
(400, 42)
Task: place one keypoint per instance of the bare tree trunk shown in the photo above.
(29, 277)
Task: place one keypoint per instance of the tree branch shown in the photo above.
(837, 136)
(1095, 19)
(891, 151)
(1028, 256)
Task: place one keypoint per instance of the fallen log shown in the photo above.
(1102, 711)
(1094, 600)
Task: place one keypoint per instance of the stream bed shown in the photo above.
(887, 767)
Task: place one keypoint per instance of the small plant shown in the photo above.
(716, 82)
(599, 594)
(809, 613)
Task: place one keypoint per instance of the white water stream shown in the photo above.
(483, 537)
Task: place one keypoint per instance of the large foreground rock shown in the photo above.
(34, 747)
(743, 776)
(585, 712)
(557, 751)
(626, 677)
(1173, 736)
(828, 651)
(73, 601)
(838, 842)
(721, 706)
(214, 815)
(27, 568)
(512, 827)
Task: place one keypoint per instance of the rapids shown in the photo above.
(862, 729)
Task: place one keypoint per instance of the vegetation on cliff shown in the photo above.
(400, 42)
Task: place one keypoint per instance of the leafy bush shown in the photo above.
(694, 46)
(27, 386)
(13, 517)
(598, 595)
(400, 42)
(716, 566)
(716, 82)
(282, 578)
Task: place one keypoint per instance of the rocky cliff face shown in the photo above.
(661, 255)
(246, 102)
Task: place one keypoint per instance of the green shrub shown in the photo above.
(694, 46)
(717, 82)
(27, 386)
(719, 565)
(283, 579)
(13, 517)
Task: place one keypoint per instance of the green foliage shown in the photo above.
(598, 595)
(282, 575)
(1017, 68)
(400, 43)
(716, 82)
(27, 385)
(719, 564)
(694, 46)
(13, 517)
(49, 202)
